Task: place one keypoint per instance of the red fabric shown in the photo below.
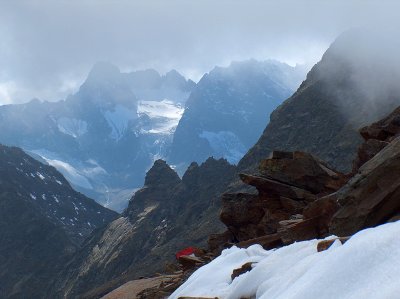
(186, 251)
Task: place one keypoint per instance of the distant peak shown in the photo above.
(161, 173)
(103, 71)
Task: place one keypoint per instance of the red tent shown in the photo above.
(186, 251)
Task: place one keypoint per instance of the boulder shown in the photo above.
(302, 170)
(367, 151)
(243, 269)
(372, 196)
(385, 129)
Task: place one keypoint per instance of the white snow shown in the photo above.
(71, 173)
(225, 144)
(164, 115)
(71, 126)
(118, 120)
(366, 266)
(40, 175)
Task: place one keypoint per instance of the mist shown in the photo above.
(48, 47)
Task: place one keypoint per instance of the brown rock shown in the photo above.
(302, 170)
(218, 242)
(243, 269)
(367, 151)
(325, 244)
(267, 242)
(384, 129)
(189, 262)
(298, 231)
(372, 196)
(277, 189)
(323, 210)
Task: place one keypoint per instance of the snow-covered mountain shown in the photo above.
(107, 135)
(229, 108)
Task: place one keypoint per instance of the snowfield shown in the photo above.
(366, 266)
(164, 115)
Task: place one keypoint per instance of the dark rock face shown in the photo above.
(228, 109)
(166, 215)
(353, 85)
(42, 223)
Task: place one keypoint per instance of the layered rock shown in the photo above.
(287, 183)
(300, 197)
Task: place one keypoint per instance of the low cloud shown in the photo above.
(47, 47)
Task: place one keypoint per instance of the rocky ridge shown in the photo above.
(166, 215)
(43, 221)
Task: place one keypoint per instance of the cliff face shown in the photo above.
(353, 85)
(166, 215)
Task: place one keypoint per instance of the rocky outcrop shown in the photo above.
(372, 196)
(300, 197)
(287, 183)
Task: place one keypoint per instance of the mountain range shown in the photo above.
(107, 135)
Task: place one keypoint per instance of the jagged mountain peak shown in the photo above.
(161, 173)
(103, 71)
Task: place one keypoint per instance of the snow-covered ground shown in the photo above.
(366, 266)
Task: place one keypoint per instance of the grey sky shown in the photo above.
(47, 46)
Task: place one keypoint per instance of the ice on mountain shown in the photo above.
(164, 115)
(71, 126)
(118, 119)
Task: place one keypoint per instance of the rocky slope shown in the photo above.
(229, 108)
(354, 84)
(42, 223)
(166, 215)
(300, 198)
(104, 137)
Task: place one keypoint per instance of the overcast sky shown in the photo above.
(47, 47)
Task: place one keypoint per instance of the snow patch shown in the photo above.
(118, 119)
(71, 126)
(40, 175)
(366, 266)
(72, 174)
